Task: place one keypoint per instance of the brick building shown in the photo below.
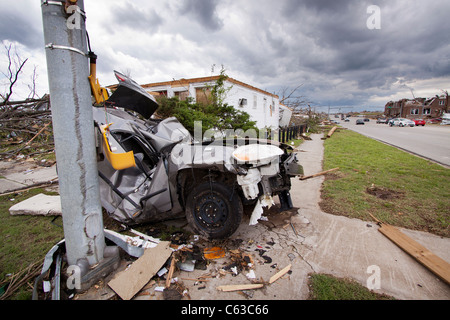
(418, 108)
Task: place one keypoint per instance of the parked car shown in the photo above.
(359, 121)
(366, 119)
(401, 122)
(153, 170)
(381, 120)
(419, 122)
(435, 120)
(347, 120)
(445, 119)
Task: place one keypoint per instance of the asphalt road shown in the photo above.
(430, 141)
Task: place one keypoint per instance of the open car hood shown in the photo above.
(130, 95)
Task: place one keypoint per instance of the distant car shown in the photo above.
(381, 120)
(419, 122)
(436, 120)
(360, 121)
(401, 122)
(366, 119)
(347, 120)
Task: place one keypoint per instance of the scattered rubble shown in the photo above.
(152, 268)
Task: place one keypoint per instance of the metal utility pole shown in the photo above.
(71, 105)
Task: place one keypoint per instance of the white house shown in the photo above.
(263, 107)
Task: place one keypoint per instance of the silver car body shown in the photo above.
(169, 164)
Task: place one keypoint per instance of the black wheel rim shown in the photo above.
(211, 211)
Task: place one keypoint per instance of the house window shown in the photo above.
(441, 102)
(427, 111)
(242, 102)
(414, 111)
(182, 95)
(203, 95)
(254, 101)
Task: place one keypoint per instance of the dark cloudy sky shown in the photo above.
(325, 45)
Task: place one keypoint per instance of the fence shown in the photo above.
(286, 134)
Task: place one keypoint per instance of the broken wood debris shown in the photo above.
(318, 174)
(22, 121)
(251, 286)
(280, 273)
(171, 270)
(240, 287)
(130, 281)
(330, 133)
(432, 262)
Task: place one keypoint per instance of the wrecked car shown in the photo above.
(153, 170)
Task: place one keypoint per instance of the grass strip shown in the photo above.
(396, 187)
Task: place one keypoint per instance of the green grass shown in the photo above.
(24, 239)
(420, 189)
(327, 287)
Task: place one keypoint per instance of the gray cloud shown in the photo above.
(16, 27)
(203, 12)
(135, 17)
(324, 44)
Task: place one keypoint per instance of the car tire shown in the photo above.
(214, 210)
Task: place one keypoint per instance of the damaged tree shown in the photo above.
(23, 121)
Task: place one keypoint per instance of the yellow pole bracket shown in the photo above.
(118, 161)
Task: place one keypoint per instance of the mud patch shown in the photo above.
(384, 193)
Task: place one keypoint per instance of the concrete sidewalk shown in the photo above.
(19, 174)
(348, 247)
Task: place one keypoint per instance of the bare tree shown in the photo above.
(290, 98)
(24, 125)
(15, 66)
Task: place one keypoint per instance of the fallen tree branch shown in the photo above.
(330, 133)
(21, 278)
(29, 141)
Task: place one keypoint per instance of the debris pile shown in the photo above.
(151, 268)
(25, 128)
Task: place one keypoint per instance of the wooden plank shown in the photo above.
(318, 174)
(279, 274)
(435, 264)
(128, 282)
(238, 287)
(170, 274)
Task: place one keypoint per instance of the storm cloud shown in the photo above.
(324, 45)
